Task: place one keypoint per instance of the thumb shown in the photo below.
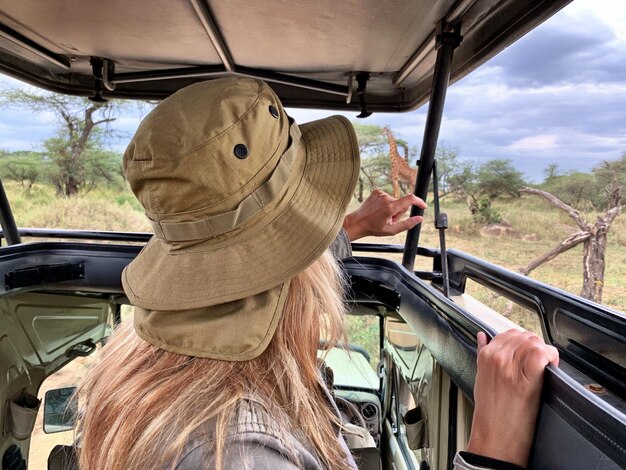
(482, 340)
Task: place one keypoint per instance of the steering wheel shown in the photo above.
(351, 411)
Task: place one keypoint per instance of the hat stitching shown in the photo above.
(162, 228)
(252, 234)
(273, 188)
(256, 99)
(244, 114)
(205, 350)
(258, 199)
(295, 270)
(154, 202)
(149, 184)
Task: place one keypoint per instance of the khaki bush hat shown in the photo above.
(241, 199)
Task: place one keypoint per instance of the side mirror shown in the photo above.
(59, 410)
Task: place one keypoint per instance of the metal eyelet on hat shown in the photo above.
(274, 111)
(241, 151)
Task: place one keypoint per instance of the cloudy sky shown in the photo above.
(558, 95)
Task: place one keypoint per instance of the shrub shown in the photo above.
(486, 214)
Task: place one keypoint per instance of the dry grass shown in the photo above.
(97, 210)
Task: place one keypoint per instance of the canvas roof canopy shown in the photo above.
(314, 53)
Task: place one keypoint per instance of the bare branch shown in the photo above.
(613, 193)
(610, 216)
(570, 242)
(102, 121)
(555, 201)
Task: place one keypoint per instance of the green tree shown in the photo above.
(486, 214)
(592, 236)
(447, 167)
(587, 191)
(579, 190)
(479, 185)
(370, 138)
(76, 153)
(551, 172)
(96, 165)
(602, 189)
(499, 178)
(23, 166)
(610, 174)
(463, 183)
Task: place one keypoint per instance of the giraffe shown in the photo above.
(400, 169)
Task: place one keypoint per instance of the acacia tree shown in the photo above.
(447, 167)
(82, 127)
(22, 166)
(480, 185)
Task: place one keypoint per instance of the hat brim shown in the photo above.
(280, 244)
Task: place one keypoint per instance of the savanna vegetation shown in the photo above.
(76, 159)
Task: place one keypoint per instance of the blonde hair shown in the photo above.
(140, 404)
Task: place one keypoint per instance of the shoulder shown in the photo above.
(255, 439)
(237, 455)
(341, 247)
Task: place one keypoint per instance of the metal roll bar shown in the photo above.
(447, 41)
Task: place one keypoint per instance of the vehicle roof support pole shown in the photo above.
(446, 43)
(6, 219)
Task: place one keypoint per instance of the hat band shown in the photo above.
(248, 208)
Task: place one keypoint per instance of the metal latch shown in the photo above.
(83, 349)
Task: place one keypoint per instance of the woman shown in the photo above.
(234, 291)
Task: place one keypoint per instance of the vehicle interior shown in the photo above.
(62, 294)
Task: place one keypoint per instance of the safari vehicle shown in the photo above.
(61, 298)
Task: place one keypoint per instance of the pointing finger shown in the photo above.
(402, 204)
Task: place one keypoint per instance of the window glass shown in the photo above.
(354, 365)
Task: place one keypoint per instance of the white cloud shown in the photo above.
(540, 142)
(610, 12)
